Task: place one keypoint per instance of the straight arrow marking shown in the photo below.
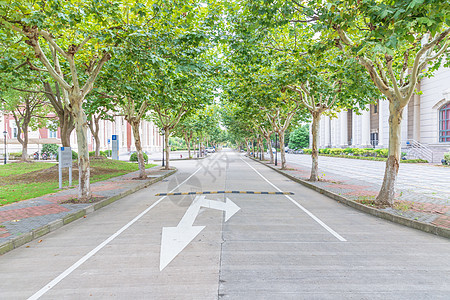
(175, 239)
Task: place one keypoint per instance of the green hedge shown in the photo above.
(366, 152)
(13, 155)
(362, 153)
(102, 153)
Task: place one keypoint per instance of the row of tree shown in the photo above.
(297, 60)
(96, 59)
(270, 62)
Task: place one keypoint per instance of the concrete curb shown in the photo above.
(439, 231)
(52, 226)
(180, 159)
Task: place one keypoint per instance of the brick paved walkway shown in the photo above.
(422, 191)
(23, 217)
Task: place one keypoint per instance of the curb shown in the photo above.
(439, 231)
(52, 226)
(180, 159)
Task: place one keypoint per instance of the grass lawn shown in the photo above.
(21, 181)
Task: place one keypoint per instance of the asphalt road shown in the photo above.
(303, 246)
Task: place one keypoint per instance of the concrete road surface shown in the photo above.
(301, 246)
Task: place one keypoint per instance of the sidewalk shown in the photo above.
(30, 219)
(422, 204)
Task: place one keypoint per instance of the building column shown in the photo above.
(416, 123)
(327, 134)
(344, 130)
(365, 128)
(404, 126)
(335, 132)
(321, 139)
(354, 129)
(381, 104)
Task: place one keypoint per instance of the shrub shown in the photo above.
(414, 161)
(446, 160)
(108, 153)
(336, 151)
(325, 151)
(382, 152)
(92, 153)
(133, 156)
(307, 151)
(299, 138)
(348, 151)
(15, 155)
(50, 149)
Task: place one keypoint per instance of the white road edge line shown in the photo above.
(72, 268)
(337, 235)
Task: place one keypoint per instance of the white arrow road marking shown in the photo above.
(82, 260)
(175, 239)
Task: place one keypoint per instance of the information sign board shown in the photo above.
(65, 161)
(115, 147)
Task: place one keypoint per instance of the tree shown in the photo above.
(26, 108)
(299, 138)
(40, 23)
(303, 63)
(397, 42)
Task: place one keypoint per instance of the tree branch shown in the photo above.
(89, 84)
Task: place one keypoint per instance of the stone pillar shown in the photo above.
(354, 129)
(365, 128)
(381, 122)
(321, 139)
(344, 132)
(327, 134)
(404, 126)
(336, 132)
(416, 123)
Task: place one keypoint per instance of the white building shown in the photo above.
(425, 124)
(151, 140)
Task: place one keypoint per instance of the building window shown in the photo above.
(444, 123)
(374, 139)
(51, 133)
(15, 132)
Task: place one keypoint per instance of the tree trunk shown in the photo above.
(387, 191)
(67, 126)
(188, 143)
(269, 148)
(96, 137)
(282, 153)
(261, 143)
(247, 147)
(315, 153)
(137, 142)
(253, 148)
(166, 143)
(66, 122)
(25, 143)
(84, 189)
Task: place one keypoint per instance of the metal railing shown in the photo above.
(416, 150)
